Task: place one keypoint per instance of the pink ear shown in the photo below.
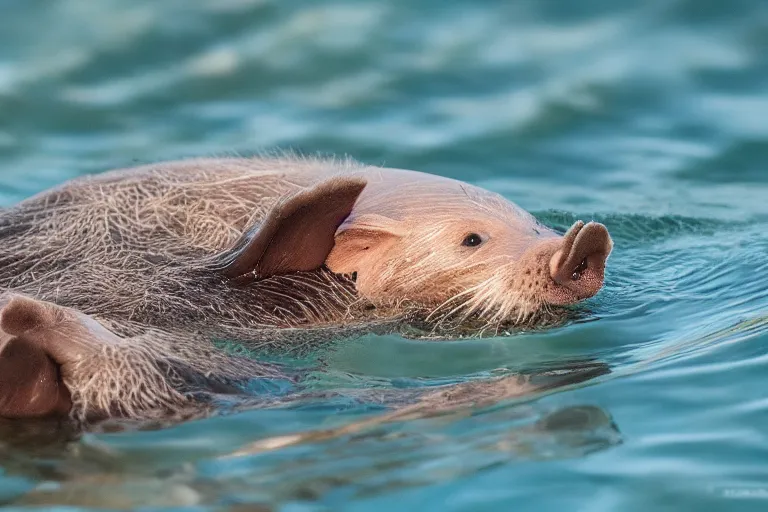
(372, 222)
(297, 234)
(360, 241)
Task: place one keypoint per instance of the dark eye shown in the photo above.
(472, 240)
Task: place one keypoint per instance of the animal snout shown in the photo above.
(579, 264)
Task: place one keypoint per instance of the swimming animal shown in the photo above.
(135, 292)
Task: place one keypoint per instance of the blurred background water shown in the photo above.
(650, 116)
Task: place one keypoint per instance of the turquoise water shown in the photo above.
(651, 117)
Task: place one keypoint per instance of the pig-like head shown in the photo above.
(455, 248)
(445, 247)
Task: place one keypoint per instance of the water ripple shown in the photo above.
(648, 117)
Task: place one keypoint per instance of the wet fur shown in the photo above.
(134, 251)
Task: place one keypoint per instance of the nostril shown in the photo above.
(576, 275)
(577, 266)
(580, 260)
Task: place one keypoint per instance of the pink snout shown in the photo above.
(578, 266)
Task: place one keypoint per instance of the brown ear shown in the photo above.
(360, 238)
(297, 234)
(39, 341)
(30, 385)
(30, 382)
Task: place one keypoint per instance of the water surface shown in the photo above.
(651, 117)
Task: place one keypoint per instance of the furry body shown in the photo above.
(159, 262)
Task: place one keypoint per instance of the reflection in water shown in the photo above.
(357, 464)
(455, 400)
(380, 460)
(474, 426)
